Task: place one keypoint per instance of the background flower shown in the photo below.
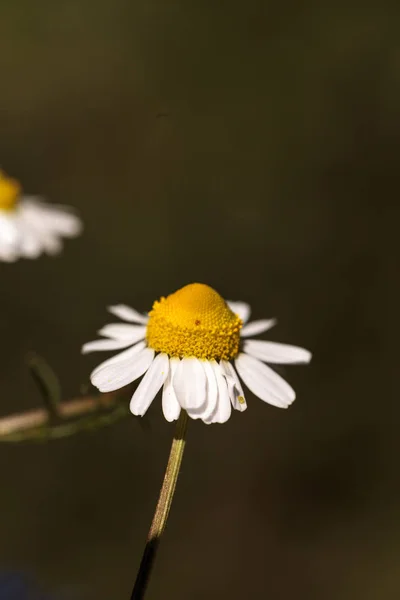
(29, 226)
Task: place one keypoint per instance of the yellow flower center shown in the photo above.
(194, 321)
(9, 192)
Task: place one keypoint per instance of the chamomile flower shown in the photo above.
(29, 226)
(193, 344)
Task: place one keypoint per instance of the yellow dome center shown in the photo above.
(9, 192)
(194, 321)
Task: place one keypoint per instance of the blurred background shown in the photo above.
(253, 146)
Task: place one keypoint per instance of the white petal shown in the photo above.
(150, 385)
(9, 233)
(211, 394)
(9, 237)
(66, 224)
(223, 409)
(241, 309)
(128, 314)
(118, 375)
(264, 382)
(190, 385)
(31, 218)
(61, 222)
(235, 389)
(276, 353)
(7, 253)
(120, 357)
(105, 345)
(256, 327)
(170, 404)
(30, 244)
(33, 226)
(57, 219)
(122, 331)
(51, 243)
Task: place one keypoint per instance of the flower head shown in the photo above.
(188, 345)
(10, 190)
(194, 321)
(29, 226)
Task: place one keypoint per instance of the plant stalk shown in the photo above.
(163, 507)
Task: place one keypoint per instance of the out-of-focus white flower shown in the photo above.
(29, 226)
(187, 344)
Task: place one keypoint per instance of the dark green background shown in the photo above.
(253, 146)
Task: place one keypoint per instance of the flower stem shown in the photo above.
(163, 506)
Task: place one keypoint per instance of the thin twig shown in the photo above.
(162, 509)
(69, 409)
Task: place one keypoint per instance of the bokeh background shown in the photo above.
(253, 146)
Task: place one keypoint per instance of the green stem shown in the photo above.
(163, 507)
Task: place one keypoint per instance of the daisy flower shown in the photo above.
(193, 344)
(29, 226)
